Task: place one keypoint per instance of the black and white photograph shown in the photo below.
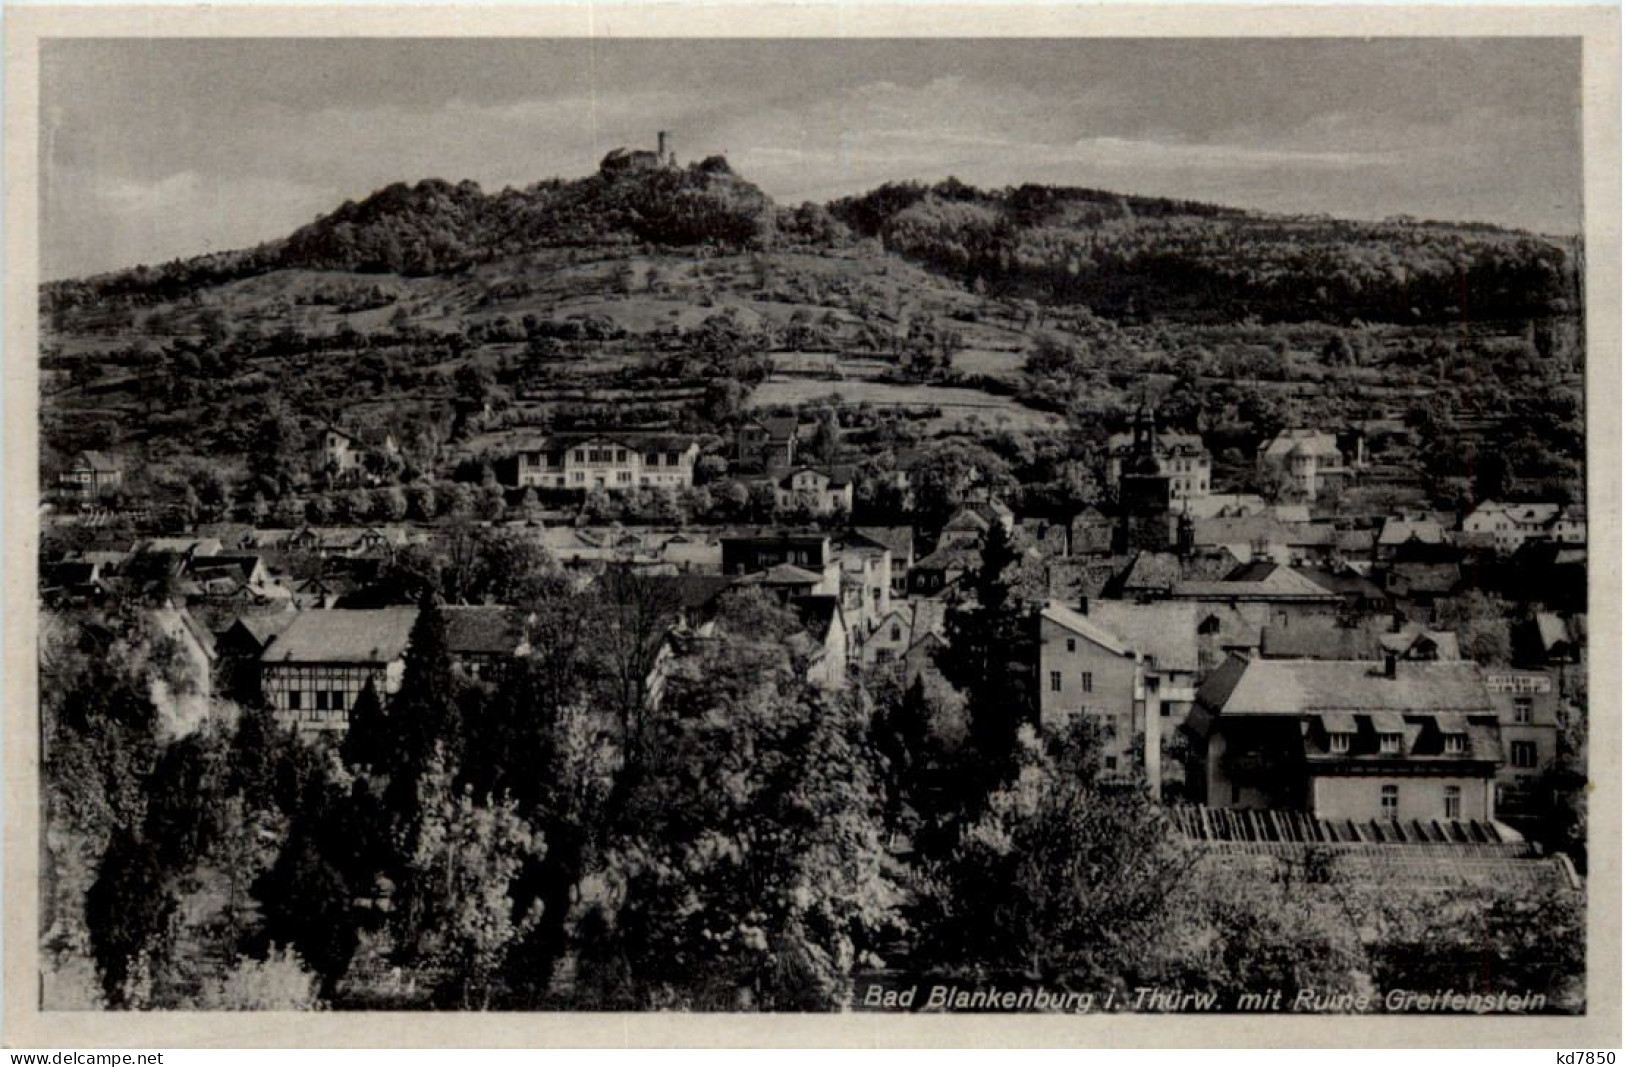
(1064, 526)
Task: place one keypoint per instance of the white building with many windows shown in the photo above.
(616, 462)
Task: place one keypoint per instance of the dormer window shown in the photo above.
(1388, 743)
(1455, 744)
(1339, 742)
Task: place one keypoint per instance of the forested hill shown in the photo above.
(1123, 257)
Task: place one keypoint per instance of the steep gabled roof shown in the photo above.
(371, 636)
(1084, 626)
(782, 574)
(100, 462)
(1297, 687)
(900, 539)
(1165, 631)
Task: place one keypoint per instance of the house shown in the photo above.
(1117, 665)
(1309, 460)
(767, 443)
(1268, 537)
(1268, 593)
(1182, 458)
(70, 582)
(941, 571)
(312, 672)
(809, 552)
(1050, 539)
(90, 474)
(1400, 534)
(344, 452)
(900, 629)
(1089, 533)
(899, 542)
(1331, 639)
(1223, 631)
(788, 582)
(351, 541)
(816, 491)
(613, 461)
(866, 581)
(1227, 506)
(1511, 526)
(830, 649)
(1360, 594)
(1347, 740)
(1527, 703)
(1548, 639)
(1153, 575)
(483, 640)
(238, 648)
(968, 527)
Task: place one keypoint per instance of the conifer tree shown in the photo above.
(987, 638)
(366, 742)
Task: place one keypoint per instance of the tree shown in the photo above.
(986, 658)
(826, 440)
(1481, 625)
(389, 505)
(368, 738)
(425, 713)
(129, 910)
(749, 868)
(306, 904)
(509, 568)
(279, 982)
(456, 911)
(1056, 882)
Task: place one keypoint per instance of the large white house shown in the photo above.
(1513, 525)
(1308, 458)
(616, 462)
(1180, 457)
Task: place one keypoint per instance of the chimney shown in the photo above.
(1390, 664)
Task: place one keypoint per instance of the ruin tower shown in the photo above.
(663, 150)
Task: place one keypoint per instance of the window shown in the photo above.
(1088, 681)
(1111, 763)
(1523, 710)
(1452, 801)
(1390, 801)
(338, 700)
(294, 700)
(1523, 754)
(1054, 681)
(623, 477)
(1455, 744)
(1339, 742)
(321, 700)
(1388, 743)
(620, 455)
(1072, 644)
(896, 632)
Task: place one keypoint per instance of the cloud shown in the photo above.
(102, 222)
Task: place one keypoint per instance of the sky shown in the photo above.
(162, 148)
